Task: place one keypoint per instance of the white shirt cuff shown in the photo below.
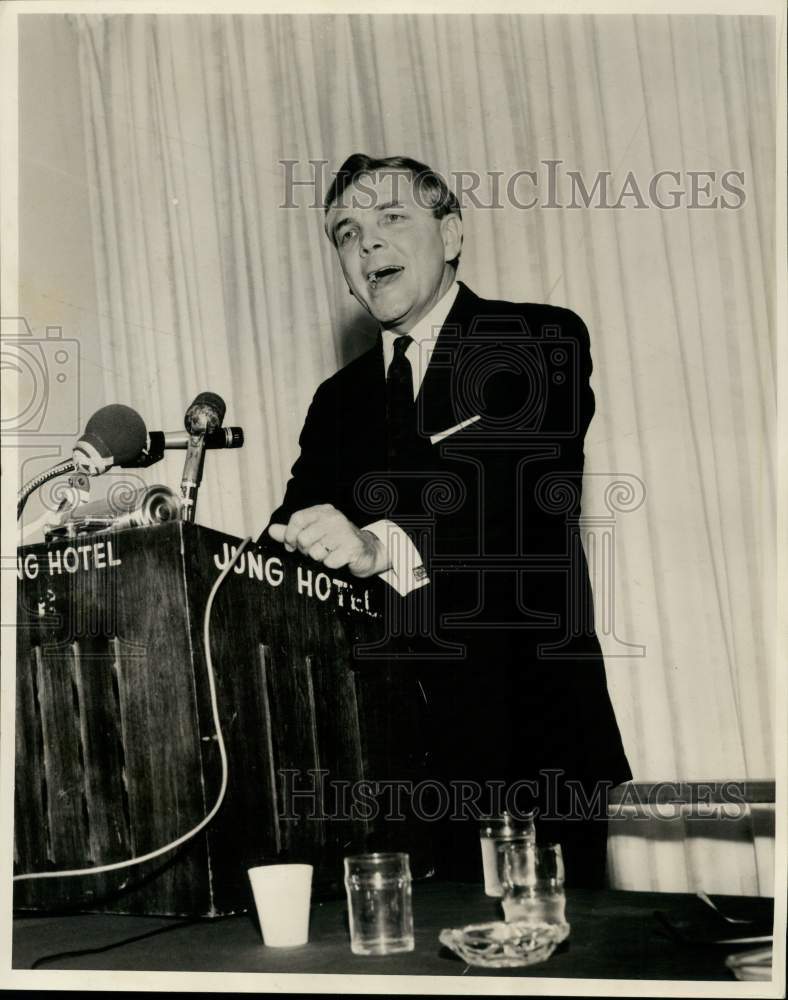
(407, 571)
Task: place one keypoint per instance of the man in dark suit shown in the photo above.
(448, 460)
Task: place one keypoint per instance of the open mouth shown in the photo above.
(381, 276)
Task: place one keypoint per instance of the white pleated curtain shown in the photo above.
(207, 280)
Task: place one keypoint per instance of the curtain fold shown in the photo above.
(213, 274)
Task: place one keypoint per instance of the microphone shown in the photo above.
(161, 441)
(120, 509)
(117, 435)
(114, 435)
(204, 416)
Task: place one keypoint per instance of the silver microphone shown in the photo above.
(204, 416)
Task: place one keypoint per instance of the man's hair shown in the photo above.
(429, 188)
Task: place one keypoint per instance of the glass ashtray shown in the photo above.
(500, 945)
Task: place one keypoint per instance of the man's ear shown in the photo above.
(451, 231)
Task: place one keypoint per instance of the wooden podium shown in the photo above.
(116, 751)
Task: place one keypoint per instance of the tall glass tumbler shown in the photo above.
(379, 903)
(500, 830)
(533, 883)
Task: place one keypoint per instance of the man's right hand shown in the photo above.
(324, 533)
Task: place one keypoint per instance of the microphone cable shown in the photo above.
(115, 866)
(61, 469)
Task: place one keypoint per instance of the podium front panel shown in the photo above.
(116, 749)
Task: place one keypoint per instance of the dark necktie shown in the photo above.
(400, 411)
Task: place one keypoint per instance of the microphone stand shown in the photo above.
(192, 475)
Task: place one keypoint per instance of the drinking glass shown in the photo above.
(379, 903)
(503, 829)
(532, 878)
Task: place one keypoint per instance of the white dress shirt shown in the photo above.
(407, 569)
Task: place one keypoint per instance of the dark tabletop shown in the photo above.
(615, 935)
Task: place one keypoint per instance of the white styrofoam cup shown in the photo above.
(281, 895)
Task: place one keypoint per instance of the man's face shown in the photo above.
(394, 253)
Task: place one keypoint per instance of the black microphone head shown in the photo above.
(114, 434)
(206, 414)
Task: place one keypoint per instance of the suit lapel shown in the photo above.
(438, 405)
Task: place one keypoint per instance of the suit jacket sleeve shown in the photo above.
(312, 478)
